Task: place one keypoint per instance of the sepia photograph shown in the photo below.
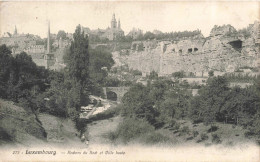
(122, 80)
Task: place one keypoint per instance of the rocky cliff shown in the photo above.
(225, 50)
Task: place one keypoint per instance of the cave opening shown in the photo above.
(189, 50)
(196, 49)
(237, 45)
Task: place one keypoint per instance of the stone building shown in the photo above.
(111, 33)
(135, 33)
(19, 42)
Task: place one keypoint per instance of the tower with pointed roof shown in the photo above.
(113, 22)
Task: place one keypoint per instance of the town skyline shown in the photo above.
(32, 17)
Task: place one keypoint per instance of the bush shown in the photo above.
(204, 137)
(174, 124)
(130, 129)
(249, 134)
(213, 128)
(195, 133)
(184, 130)
(156, 137)
(215, 139)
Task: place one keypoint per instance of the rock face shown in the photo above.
(19, 126)
(223, 51)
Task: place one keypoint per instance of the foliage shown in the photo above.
(178, 74)
(184, 130)
(215, 138)
(101, 61)
(195, 133)
(211, 73)
(130, 129)
(21, 80)
(153, 75)
(204, 137)
(155, 138)
(61, 34)
(209, 105)
(136, 103)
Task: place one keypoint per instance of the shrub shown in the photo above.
(195, 133)
(184, 130)
(249, 134)
(174, 124)
(156, 137)
(215, 138)
(213, 128)
(130, 129)
(204, 137)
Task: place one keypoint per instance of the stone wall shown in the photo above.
(218, 52)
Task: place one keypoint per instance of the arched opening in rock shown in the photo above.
(189, 50)
(196, 49)
(180, 51)
(237, 45)
(111, 96)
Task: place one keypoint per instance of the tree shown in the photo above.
(78, 65)
(6, 69)
(149, 35)
(153, 75)
(211, 73)
(210, 104)
(136, 103)
(100, 61)
(61, 34)
(77, 70)
(178, 74)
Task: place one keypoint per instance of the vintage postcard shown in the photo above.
(129, 81)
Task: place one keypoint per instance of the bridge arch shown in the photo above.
(119, 91)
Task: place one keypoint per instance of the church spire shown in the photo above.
(113, 21)
(48, 38)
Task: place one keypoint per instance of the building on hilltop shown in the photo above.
(135, 33)
(111, 33)
(42, 57)
(18, 42)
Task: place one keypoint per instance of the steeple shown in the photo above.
(113, 21)
(48, 38)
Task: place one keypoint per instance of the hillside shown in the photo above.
(19, 126)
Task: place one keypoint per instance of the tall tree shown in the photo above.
(78, 65)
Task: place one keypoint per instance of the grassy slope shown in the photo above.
(229, 135)
(60, 132)
(19, 126)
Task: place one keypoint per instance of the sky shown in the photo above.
(167, 16)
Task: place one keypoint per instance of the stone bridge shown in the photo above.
(118, 91)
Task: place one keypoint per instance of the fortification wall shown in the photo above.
(218, 53)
